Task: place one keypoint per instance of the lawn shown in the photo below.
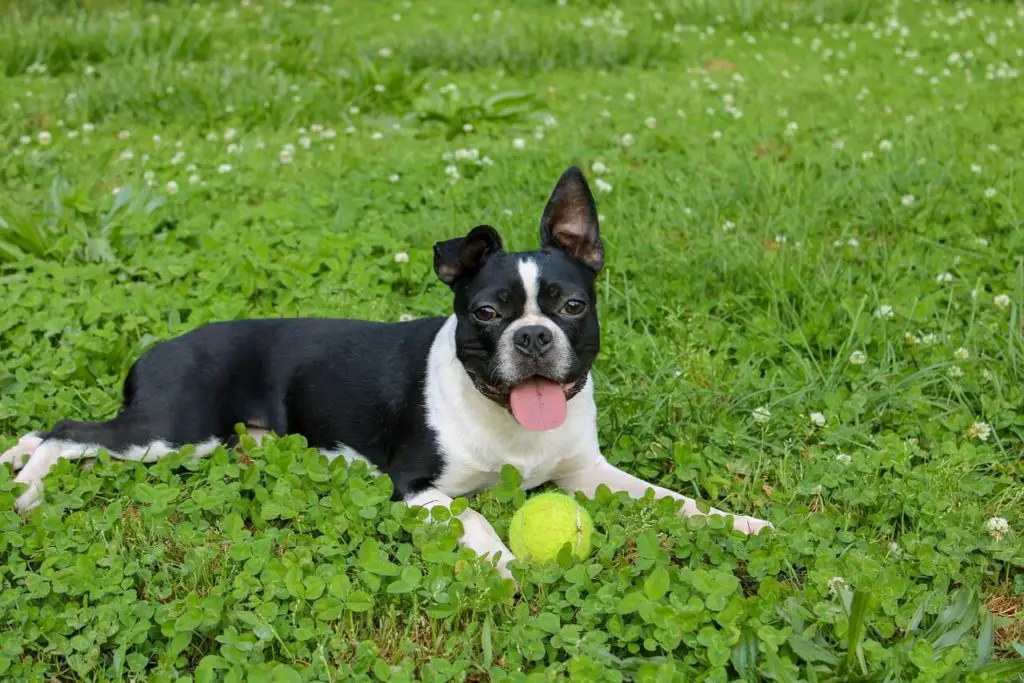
(811, 312)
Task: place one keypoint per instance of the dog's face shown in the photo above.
(527, 329)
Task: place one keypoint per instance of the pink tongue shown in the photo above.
(538, 404)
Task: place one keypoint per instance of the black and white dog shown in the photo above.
(439, 404)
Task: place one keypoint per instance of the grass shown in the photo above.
(811, 312)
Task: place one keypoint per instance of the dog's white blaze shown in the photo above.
(561, 353)
(529, 272)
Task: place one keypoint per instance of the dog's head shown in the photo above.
(527, 329)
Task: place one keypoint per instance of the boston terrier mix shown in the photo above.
(440, 404)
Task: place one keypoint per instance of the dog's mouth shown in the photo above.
(539, 403)
(536, 403)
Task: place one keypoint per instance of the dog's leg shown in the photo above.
(36, 454)
(587, 479)
(478, 535)
(18, 454)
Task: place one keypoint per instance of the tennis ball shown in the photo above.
(547, 522)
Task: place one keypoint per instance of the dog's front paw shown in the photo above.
(751, 525)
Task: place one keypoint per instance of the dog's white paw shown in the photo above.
(34, 458)
(751, 525)
(18, 454)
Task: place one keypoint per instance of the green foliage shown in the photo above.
(811, 313)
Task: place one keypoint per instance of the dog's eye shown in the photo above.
(485, 314)
(574, 307)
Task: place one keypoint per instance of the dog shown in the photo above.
(437, 404)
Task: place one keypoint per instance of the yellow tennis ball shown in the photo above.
(545, 523)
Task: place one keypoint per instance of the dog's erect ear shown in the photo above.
(463, 256)
(570, 220)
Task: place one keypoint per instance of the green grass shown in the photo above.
(795, 186)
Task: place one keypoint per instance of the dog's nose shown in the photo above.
(534, 340)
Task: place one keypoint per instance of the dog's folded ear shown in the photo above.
(569, 222)
(457, 258)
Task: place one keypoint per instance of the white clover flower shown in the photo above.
(868, 155)
(401, 257)
(961, 354)
(910, 339)
(194, 179)
(224, 168)
(394, 178)
(761, 415)
(598, 168)
(329, 134)
(305, 142)
(519, 143)
(998, 527)
(602, 185)
(234, 148)
(728, 225)
(627, 140)
(895, 550)
(171, 187)
(975, 168)
(885, 145)
(124, 135)
(452, 171)
(858, 357)
(956, 372)
(990, 192)
(835, 584)
(127, 155)
(651, 122)
(818, 419)
(980, 431)
(1002, 300)
(44, 137)
(839, 145)
(844, 458)
(286, 155)
(944, 277)
(885, 311)
(376, 135)
(908, 199)
(88, 127)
